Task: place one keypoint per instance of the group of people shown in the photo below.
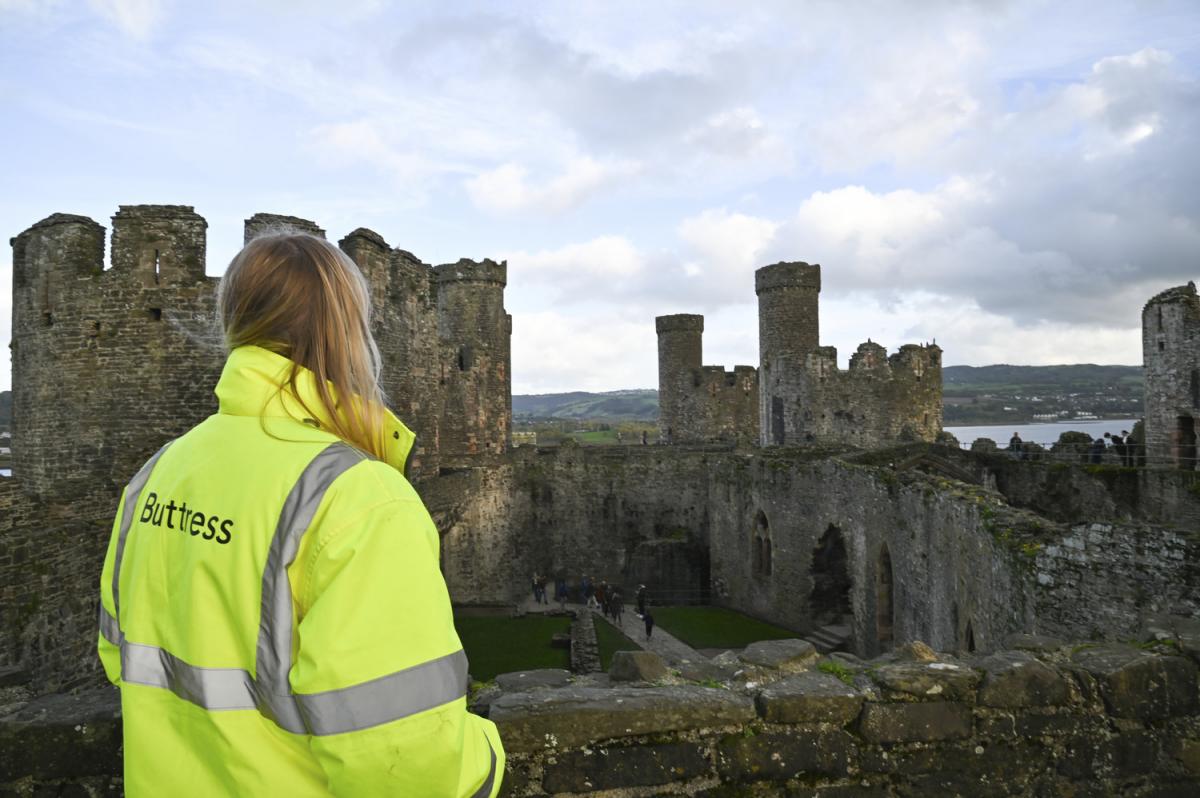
(1125, 449)
(596, 595)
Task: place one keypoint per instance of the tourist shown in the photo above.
(536, 591)
(1118, 444)
(648, 619)
(294, 634)
(618, 606)
(1017, 446)
(1096, 453)
(640, 597)
(601, 593)
(1125, 449)
(541, 583)
(589, 592)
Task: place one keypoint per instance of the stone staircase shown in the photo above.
(834, 637)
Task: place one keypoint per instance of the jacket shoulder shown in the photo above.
(377, 480)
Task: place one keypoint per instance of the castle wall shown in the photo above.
(1171, 359)
(788, 330)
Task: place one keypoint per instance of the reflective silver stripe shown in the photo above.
(109, 627)
(387, 698)
(211, 688)
(132, 492)
(485, 789)
(273, 656)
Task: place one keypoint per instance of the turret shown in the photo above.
(680, 354)
(159, 244)
(788, 331)
(1171, 360)
(474, 332)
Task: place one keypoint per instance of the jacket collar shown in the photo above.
(250, 386)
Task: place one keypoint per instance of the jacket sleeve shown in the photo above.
(376, 629)
(110, 653)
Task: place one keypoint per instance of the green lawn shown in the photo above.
(502, 645)
(716, 627)
(611, 640)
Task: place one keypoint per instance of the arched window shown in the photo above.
(884, 619)
(762, 545)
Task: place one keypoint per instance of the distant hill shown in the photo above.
(1083, 378)
(633, 405)
(5, 409)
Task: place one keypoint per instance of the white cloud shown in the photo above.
(593, 350)
(137, 18)
(507, 188)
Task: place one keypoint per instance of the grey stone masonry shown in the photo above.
(1171, 359)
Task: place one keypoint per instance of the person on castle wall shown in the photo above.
(648, 620)
(1125, 450)
(271, 603)
(618, 606)
(1096, 453)
(640, 598)
(1017, 446)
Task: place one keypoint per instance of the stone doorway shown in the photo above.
(1185, 443)
(829, 603)
(883, 599)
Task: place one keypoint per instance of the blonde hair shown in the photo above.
(301, 297)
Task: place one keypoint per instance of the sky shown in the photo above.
(1011, 179)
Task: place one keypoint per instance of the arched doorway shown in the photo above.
(762, 545)
(829, 603)
(883, 599)
(970, 638)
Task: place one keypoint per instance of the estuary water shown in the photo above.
(1045, 434)
(5, 472)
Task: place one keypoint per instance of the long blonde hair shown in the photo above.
(301, 297)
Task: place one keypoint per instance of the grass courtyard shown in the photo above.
(502, 645)
(716, 627)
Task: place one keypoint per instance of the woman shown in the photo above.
(271, 604)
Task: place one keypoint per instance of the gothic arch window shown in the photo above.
(762, 545)
(884, 596)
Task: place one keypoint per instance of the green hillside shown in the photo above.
(633, 405)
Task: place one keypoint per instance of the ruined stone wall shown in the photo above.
(1171, 359)
(788, 330)
(1112, 580)
(1046, 719)
(696, 403)
(877, 401)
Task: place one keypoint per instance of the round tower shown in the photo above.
(680, 353)
(787, 332)
(474, 333)
(1171, 360)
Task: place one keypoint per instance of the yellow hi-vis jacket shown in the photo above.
(272, 610)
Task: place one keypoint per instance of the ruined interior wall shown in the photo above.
(717, 406)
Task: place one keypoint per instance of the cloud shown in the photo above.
(136, 18)
(507, 189)
(591, 350)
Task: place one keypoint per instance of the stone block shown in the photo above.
(593, 769)
(1038, 644)
(783, 655)
(637, 666)
(540, 679)
(63, 737)
(1138, 685)
(782, 756)
(919, 722)
(811, 697)
(915, 651)
(560, 640)
(572, 716)
(703, 671)
(1015, 679)
(1188, 753)
(940, 681)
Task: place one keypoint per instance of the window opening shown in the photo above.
(829, 603)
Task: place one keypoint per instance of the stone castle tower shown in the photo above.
(798, 395)
(109, 363)
(1171, 359)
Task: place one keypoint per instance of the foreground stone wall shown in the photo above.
(1046, 718)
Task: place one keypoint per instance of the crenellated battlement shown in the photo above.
(784, 275)
(469, 271)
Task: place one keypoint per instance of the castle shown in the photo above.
(798, 395)
(1171, 354)
(911, 541)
